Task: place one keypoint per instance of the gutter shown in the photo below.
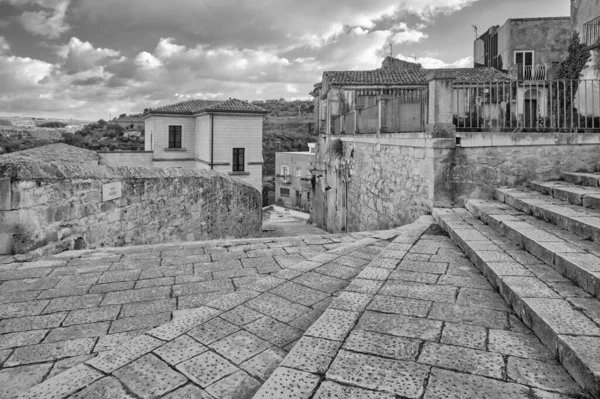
(212, 139)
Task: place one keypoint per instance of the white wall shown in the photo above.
(159, 129)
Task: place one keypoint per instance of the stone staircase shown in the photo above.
(539, 246)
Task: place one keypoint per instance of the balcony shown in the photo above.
(529, 72)
(591, 33)
(284, 179)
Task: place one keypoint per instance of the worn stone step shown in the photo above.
(562, 251)
(562, 315)
(584, 222)
(588, 197)
(584, 179)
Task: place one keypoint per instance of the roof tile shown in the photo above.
(192, 107)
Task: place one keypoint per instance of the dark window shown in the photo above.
(284, 192)
(238, 159)
(308, 195)
(174, 136)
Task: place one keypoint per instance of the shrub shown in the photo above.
(4, 122)
(54, 125)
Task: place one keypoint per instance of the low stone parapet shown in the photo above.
(52, 207)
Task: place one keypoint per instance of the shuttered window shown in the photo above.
(174, 136)
(238, 159)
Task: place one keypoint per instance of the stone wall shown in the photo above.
(126, 158)
(486, 161)
(51, 207)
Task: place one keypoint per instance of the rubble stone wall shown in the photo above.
(52, 207)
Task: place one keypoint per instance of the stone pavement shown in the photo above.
(60, 311)
(394, 314)
(420, 321)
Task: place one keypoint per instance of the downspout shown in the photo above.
(212, 137)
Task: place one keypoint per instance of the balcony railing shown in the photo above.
(591, 33)
(529, 72)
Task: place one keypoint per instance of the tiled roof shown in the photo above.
(407, 77)
(192, 107)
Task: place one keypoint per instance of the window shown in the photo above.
(298, 172)
(285, 172)
(238, 159)
(308, 195)
(367, 101)
(524, 58)
(284, 192)
(174, 136)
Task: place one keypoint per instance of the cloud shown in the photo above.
(4, 47)
(79, 56)
(407, 35)
(433, 63)
(49, 22)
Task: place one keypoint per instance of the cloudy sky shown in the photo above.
(91, 58)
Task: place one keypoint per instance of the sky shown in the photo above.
(92, 59)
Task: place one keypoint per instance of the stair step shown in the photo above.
(584, 222)
(557, 249)
(548, 304)
(588, 197)
(584, 179)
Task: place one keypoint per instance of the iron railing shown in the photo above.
(406, 112)
(591, 33)
(529, 72)
(528, 105)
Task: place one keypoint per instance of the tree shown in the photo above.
(122, 116)
(102, 122)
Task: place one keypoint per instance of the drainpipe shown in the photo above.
(212, 137)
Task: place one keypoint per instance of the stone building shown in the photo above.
(293, 184)
(224, 136)
(585, 20)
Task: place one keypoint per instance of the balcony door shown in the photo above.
(525, 61)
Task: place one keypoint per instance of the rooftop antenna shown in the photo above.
(391, 50)
(475, 29)
(414, 57)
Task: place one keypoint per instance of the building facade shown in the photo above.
(293, 183)
(225, 136)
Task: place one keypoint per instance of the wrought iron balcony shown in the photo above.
(529, 72)
(591, 33)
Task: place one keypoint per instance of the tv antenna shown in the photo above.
(391, 50)
(475, 29)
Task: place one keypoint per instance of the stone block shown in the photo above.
(384, 345)
(16, 380)
(334, 324)
(464, 335)
(466, 360)
(332, 390)
(125, 353)
(65, 384)
(274, 331)
(239, 346)
(238, 385)
(450, 384)
(544, 375)
(401, 326)
(206, 368)
(108, 387)
(51, 351)
(580, 357)
(288, 383)
(6, 244)
(263, 364)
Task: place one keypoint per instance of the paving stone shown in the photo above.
(277, 307)
(184, 323)
(73, 303)
(23, 274)
(405, 306)
(80, 270)
(166, 271)
(180, 349)
(19, 296)
(414, 276)
(352, 301)
(77, 331)
(31, 323)
(402, 326)
(34, 284)
(287, 274)
(469, 315)
(194, 301)
(18, 379)
(149, 377)
(440, 293)
(332, 390)
(64, 384)
(238, 385)
(85, 316)
(453, 385)
(364, 286)
(13, 340)
(20, 309)
(65, 364)
(137, 295)
(52, 351)
(85, 279)
(299, 293)
(529, 287)
(423, 267)
(206, 368)
(188, 278)
(188, 392)
(108, 387)
(213, 330)
(234, 299)
(375, 273)
(239, 346)
(117, 276)
(481, 299)
(155, 282)
(518, 344)
(166, 261)
(321, 282)
(201, 287)
(382, 345)
(43, 263)
(589, 306)
(263, 364)
(241, 315)
(148, 308)
(288, 383)
(463, 359)
(275, 332)
(402, 378)
(112, 341)
(132, 349)
(110, 287)
(464, 335)
(541, 375)
(138, 322)
(334, 324)
(313, 355)
(561, 317)
(473, 281)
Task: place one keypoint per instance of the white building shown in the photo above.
(225, 136)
